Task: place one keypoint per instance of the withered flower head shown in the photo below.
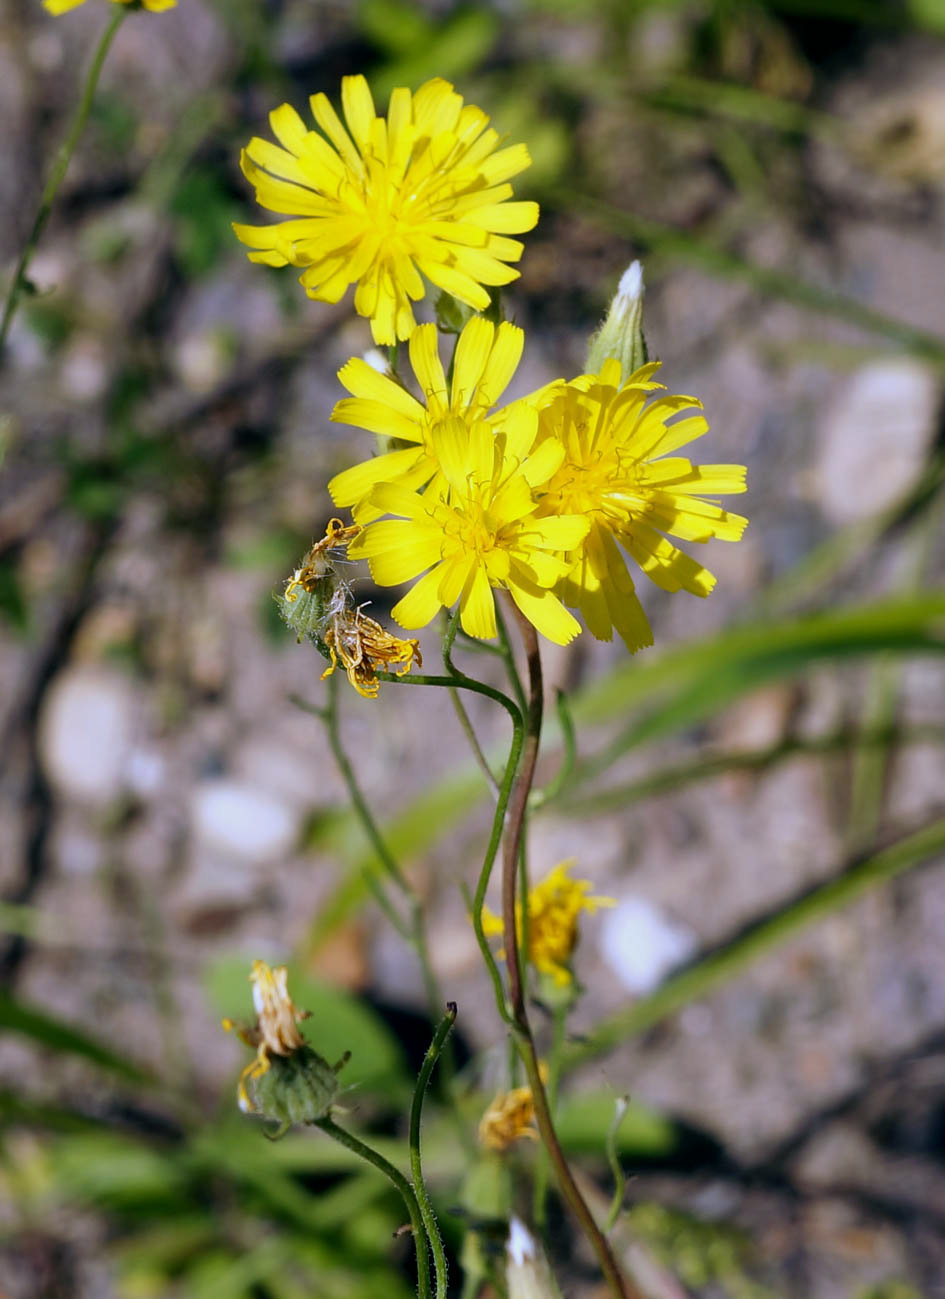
(317, 604)
(509, 1117)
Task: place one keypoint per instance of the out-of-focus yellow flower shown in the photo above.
(479, 531)
(554, 906)
(387, 201)
(63, 6)
(484, 362)
(275, 1031)
(618, 471)
(509, 1117)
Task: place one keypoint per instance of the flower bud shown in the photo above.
(621, 334)
(528, 1274)
(296, 1088)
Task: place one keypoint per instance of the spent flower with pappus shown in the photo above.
(384, 202)
(155, 6)
(317, 604)
(479, 530)
(286, 1081)
(554, 907)
(484, 362)
(618, 471)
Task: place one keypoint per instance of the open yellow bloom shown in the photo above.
(478, 532)
(63, 6)
(387, 201)
(483, 364)
(618, 471)
(554, 906)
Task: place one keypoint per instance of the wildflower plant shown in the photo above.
(511, 519)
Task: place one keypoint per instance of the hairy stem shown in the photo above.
(416, 1167)
(58, 173)
(403, 1186)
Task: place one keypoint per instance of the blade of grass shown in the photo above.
(695, 250)
(758, 939)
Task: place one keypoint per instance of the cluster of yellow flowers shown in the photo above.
(537, 497)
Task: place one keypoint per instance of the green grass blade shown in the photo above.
(759, 938)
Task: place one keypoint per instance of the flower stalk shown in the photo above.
(619, 1286)
(58, 173)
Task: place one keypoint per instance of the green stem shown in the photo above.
(618, 1285)
(498, 820)
(416, 1167)
(511, 667)
(568, 759)
(57, 174)
(464, 720)
(414, 931)
(328, 1126)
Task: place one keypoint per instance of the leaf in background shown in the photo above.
(696, 681)
(339, 1022)
(15, 1017)
(758, 938)
(453, 50)
(123, 1172)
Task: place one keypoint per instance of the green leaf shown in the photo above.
(54, 1033)
(688, 684)
(760, 937)
(105, 1168)
(339, 1023)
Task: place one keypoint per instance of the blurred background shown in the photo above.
(763, 792)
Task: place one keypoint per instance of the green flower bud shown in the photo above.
(621, 334)
(296, 1088)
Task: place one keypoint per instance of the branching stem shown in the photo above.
(394, 1175)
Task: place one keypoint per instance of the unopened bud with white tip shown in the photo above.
(621, 334)
(527, 1272)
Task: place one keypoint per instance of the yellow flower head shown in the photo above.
(553, 909)
(484, 362)
(387, 201)
(275, 1031)
(478, 531)
(618, 471)
(63, 6)
(509, 1117)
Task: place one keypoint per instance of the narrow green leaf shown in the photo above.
(756, 940)
(28, 1021)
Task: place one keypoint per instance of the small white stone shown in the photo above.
(239, 820)
(86, 734)
(641, 944)
(875, 438)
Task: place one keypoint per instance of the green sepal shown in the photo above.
(296, 1088)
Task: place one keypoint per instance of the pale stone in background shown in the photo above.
(86, 733)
